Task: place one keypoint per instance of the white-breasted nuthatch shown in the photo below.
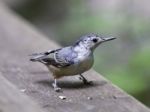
(71, 60)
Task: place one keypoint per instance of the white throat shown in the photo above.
(82, 50)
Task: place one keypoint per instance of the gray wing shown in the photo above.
(65, 56)
(59, 58)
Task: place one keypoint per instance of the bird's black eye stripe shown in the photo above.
(94, 40)
(46, 53)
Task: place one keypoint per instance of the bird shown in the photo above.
(71, 60)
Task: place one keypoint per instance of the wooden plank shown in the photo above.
(18, 39)
(12, 100)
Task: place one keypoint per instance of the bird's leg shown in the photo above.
(85, 81)
(56, 88)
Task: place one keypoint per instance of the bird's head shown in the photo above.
(91, 41)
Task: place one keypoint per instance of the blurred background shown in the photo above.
(126, 60)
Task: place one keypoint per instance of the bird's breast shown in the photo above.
(85, 62)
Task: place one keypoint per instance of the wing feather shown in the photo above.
(59, 57)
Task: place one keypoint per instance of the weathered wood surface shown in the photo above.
(18, 39)
(11, 100)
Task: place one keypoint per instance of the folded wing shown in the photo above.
(59, 57)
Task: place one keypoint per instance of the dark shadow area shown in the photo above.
(68, 84)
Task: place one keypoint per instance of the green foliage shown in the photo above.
(132, 77)
(130, 82)
(140, 64)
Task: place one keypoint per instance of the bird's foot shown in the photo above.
(85, 81)
(88, 82)
(56, 88)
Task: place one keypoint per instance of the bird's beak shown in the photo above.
(107, 39)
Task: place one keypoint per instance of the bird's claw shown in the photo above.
(86, 82)
(56, 88)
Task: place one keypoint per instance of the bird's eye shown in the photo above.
(95, 40)
(85, 40)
